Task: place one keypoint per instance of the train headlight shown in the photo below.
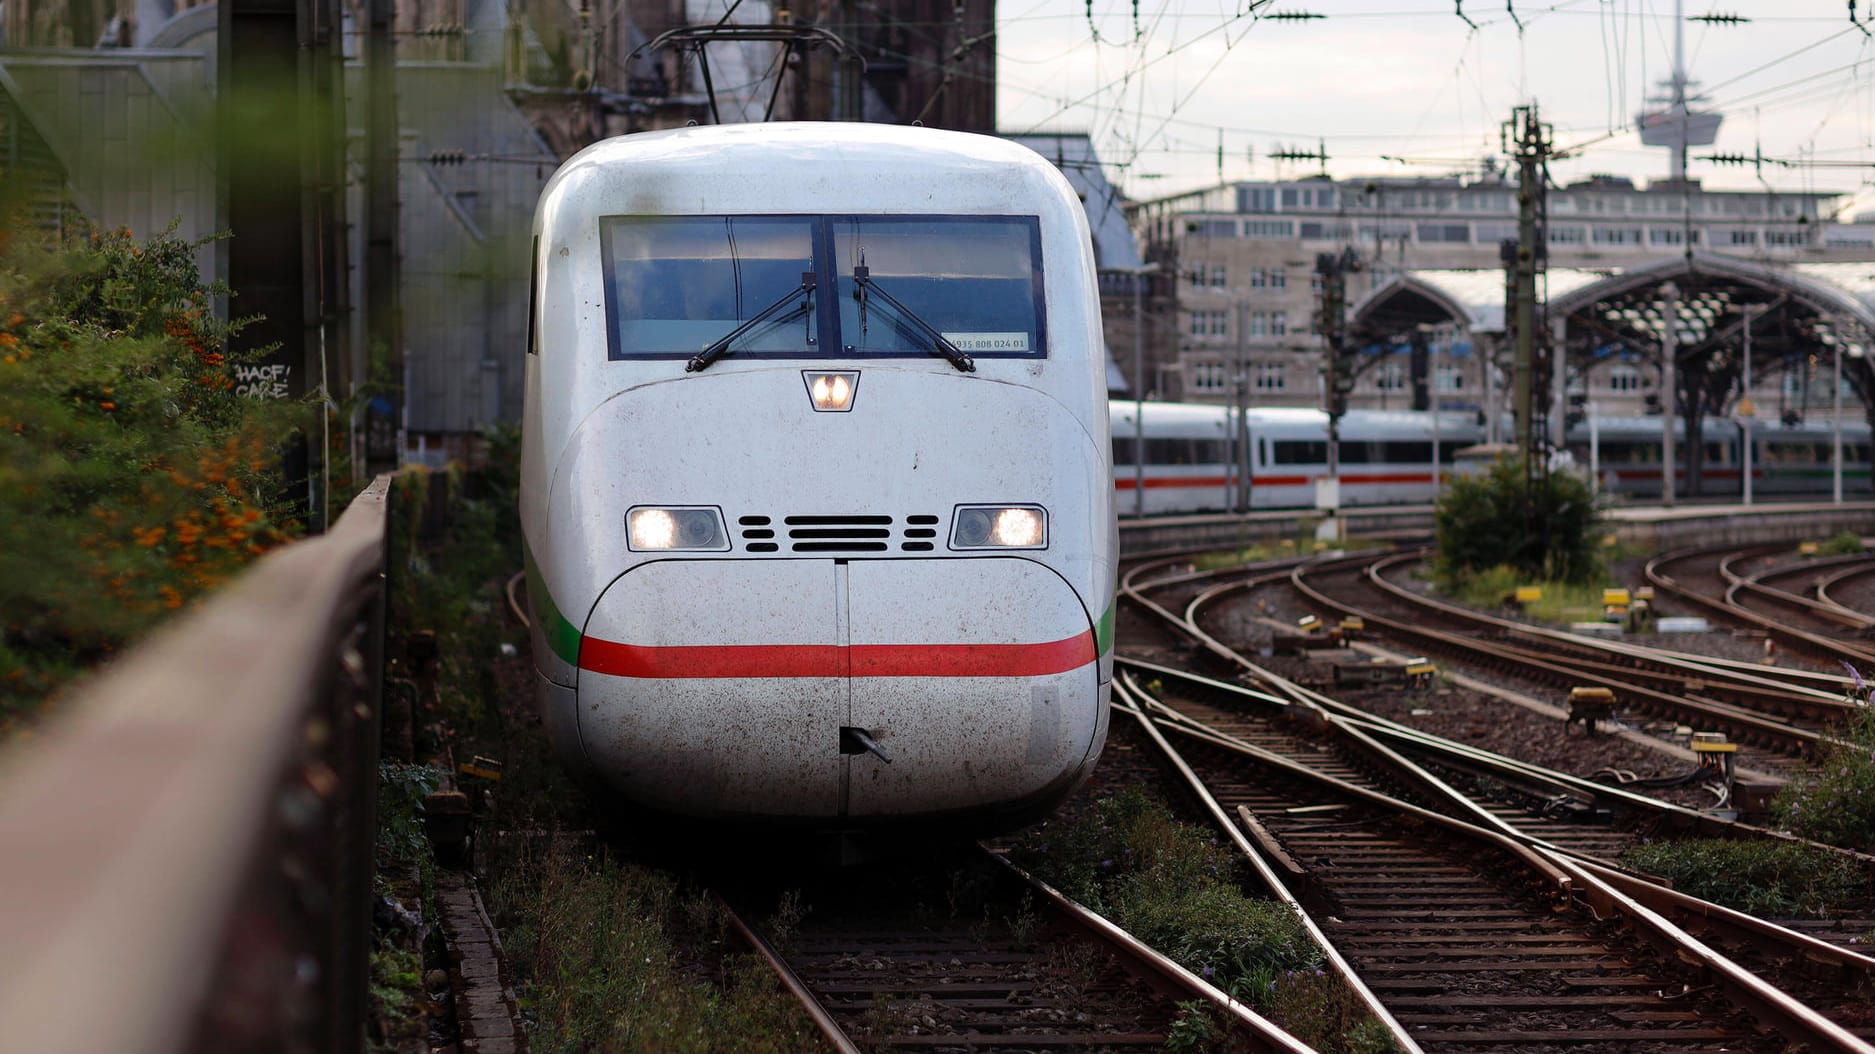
(1000, 527)
(831, 392)
(656, 529)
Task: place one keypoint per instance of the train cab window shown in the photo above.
(1123, 450)
(1353, 452)
(1208, 451)
(1299, 452)
(675, 284)
(975, 279)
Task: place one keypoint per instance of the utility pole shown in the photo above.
(383, 321)
(1139, 392)
(1669, 386)
(1331, 323)
(1240, 402)
(1530, 142)
(1746, 411)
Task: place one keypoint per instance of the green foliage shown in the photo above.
(396, 982)
(1848, 543)
(1321, 1011)
(1837, 805)
(1172, 887)
(401, 790)
(1561, 601)
(1193, 1031)
(1482, 522)
(133, 478)
(1760, 877)
(602, 942)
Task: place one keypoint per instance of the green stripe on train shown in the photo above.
(562, 636)
(1103, 630)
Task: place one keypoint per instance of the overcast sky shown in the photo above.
(1406, 87)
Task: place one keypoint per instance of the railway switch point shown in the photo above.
(1308, 623)
(1589, 705)
(1352, 627)
(1806, 549)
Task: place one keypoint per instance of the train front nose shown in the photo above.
(849, 689)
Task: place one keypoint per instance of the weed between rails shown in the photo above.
(1168, 883)
(1762, 878)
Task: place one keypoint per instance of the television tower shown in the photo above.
(1671, 122)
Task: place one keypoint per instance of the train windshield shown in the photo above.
(676, 284)
(976, 279)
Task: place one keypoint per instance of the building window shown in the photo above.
(1269, 229)
(1624, 379)
(1315, 283)
(1279, 278)
(1269, 377)
(1617, 236)
(1209, 323)
(1256, 199)
(1331, 232)
(1206, 376)
(1445, 232)
(1390, 378)
(1451, 378)
(1666, 236)
(1279, 323)
(1219, 276)
(1741, 237)
(1784, 238)
(1259, 323)
(1567, 235)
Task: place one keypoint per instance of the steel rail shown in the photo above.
(1738, 721)
(1136, 708)
(185, 852)
(1702, 666)
(829, 1028)
(1507, 769)
(1772, 1006)
(1827, 647)
(1866, 565)
(1756, 585)
(1266, 1036)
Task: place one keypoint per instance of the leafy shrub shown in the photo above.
(1848, 543)
(1837, 805)
(1482, 522)
(1763, 878)
(133, 478)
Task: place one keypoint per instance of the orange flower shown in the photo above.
(16, 319)
(147, 536)
(8, 340)
(107, 406)
(171, 598)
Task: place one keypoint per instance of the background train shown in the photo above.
(815, 486)
(1387, 456)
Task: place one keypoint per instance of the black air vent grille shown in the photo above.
(838, 534)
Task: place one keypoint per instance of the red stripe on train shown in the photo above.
(830, 660)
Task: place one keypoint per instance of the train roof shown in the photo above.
(805, 166)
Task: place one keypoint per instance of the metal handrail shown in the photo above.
(185, 851)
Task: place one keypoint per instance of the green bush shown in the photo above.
(1848, 543)
(1837, 804)
(133, 477)
(1760, 877)
(1168, 884)
(1482, 522)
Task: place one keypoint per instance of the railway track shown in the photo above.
(973, 954)
(1470, 938)
(1752, 704)
(1560, 837)
(1721, 589)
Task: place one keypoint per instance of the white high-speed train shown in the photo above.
(1387, 456)
(815, 485)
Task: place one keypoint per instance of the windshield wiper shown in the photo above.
(863, 285)
(721, 346)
